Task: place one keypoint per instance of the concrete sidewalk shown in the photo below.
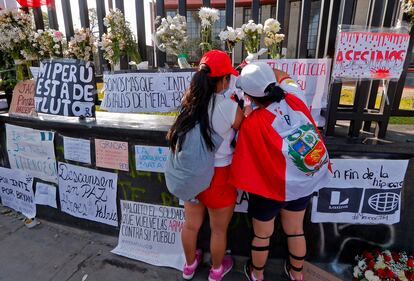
(52, 251)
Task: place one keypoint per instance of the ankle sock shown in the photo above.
(217, 270)
(194, 265)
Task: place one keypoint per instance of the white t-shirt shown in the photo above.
(223, 117)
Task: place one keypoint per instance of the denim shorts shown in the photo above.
(265, 209)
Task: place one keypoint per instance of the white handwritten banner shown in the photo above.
(370, 55)
(144, 92)
(151, 233)
(78, 150)
(88, 194)
(32, 151)
(45, 194)
(16, 191)
(362, 192)
(112, 154)
(150, 158)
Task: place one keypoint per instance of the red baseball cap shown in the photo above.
(219, 63)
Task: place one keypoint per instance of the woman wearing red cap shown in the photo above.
(280, 159)
(204, 103)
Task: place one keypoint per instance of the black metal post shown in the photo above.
(100, 14)
(206, 3)
(51, 14)
(229, 12)
(38, 18)
(182, 7)
(84, 13)
(255, 10)
(302, 47)
(161, 56)
(323, 28)
(119, 4)
(67, 16)
(142, 46)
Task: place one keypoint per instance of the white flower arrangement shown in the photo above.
(82, 45)
(171, 34)
(273, 39)
(119, 40)
(208, 16)
(231, 37)
(46, 44)
(407, 7)
(253, 33)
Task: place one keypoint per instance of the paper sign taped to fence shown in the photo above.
(16, 191)
(151, 158)
(144, 92)
(45, 194)
(112, 154)
(370, 55)
(88, 194)
(66, 87)
(362, 192)
(151, 233)
(32, 151)
(23, 98)
(78, 150)
(312, 76)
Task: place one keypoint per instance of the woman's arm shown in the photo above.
(239, 119)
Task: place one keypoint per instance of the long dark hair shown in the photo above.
(194, 109)
(273, 94)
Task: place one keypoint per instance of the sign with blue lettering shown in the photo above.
(150, 158)
(66, 87)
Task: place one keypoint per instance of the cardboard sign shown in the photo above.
(88, 194)
(112, 154)
(151, 233)
(78, 150)
(16, 191)
(144, 92)
(23, 98)
(151, 158)
(370, 55)
(361, 192)
(66, 87)
(32, 151)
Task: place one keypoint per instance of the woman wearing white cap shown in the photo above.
(280, 159)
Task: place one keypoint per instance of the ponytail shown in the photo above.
(273, 94)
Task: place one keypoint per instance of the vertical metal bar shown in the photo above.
(333, 27)
(302, 47)
(119, 4)
(206, 3)
(100, 14)
(229, 12)
(142, 46)
(38, 18)
(255, 10)
(84, 13)
(51, 14)
(67, 16)
(161, 56)
(322, 28)
(182, 7)
(333, 103)
(286, 22)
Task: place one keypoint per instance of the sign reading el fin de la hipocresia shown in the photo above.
(66, 87)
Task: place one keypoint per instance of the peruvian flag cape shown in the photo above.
(280, 153)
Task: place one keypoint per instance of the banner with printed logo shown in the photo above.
(361, 192)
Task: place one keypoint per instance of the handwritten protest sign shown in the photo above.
(150, 158)
(32, 151)
(144, 92)
(66, 87)
(362, 191)
(23, 98)
(312, 76)
(151, 233)
(78, 150)
(111, 154)
(45, 194)
(16, 191)
(88, 194)
(370, 55)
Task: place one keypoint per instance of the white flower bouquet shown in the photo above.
(119, 40)
(171, 37)
(408, 8)
(46, 44)
(252, 35)
(82, 45)
(208, 16)
(272, 38)
(389, 266)
(231, 37)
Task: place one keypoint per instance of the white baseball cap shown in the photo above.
(255, 77)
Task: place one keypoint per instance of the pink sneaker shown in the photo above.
(189, 270)
(226, 266)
